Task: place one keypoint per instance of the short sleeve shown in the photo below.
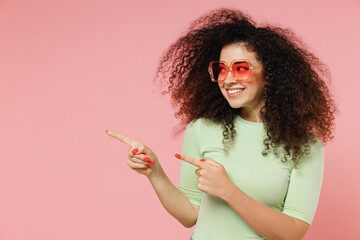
(305, 185)
(188, 178)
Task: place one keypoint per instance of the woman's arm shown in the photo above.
(269, 223)
(300, 204)
(174, 201)
(266, 221)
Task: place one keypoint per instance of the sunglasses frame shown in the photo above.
(251, 67)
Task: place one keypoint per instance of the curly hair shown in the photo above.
(298, 104)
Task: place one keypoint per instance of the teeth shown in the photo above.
(235, 90)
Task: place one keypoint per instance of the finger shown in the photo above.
(198, 172)
(141, 149)
(121, 137)
(136, 160)
(138, 148)
(190, 160)
(133, 165)
(147, 159)
(211, 162)
(141, 159)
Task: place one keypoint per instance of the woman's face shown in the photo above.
(251, 98)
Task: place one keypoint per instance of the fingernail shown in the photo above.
(106, 131)
(147, 159)
(147, 165)
(152, 162)
(134, 151)
(203, 160)
(177, 155)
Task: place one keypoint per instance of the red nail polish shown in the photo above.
(177, 155)
(134, 151)
(147, 159)
(152, 162)
(203, 160)
(106, 131)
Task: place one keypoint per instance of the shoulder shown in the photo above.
(313, 153)
(315, 145)
(193, 128)
(203, 129)
(202, 123)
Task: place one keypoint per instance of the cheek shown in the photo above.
(258, 86)
(221, 88)
(223, 92)
(261, 86)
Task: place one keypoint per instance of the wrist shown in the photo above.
(229, 191)
(158, 174)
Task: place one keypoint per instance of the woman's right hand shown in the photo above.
(140, 157)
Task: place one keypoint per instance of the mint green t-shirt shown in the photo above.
(268, 180)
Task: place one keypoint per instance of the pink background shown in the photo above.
(69, 70)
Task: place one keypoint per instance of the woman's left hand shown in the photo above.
(212, 176)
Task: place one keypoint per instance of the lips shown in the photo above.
(232, 92)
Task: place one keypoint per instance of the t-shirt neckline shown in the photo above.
(249, 124)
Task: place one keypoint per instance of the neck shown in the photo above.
(252, 115)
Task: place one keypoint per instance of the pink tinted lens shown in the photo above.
(241, 70)
(219, 70)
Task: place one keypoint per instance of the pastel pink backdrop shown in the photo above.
(69, 70)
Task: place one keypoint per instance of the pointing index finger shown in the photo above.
(121, 137)
(191, 160)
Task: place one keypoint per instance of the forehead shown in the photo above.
(237, 51)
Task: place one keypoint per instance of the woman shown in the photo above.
(257, 111)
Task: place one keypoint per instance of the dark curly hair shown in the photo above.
(298, 104)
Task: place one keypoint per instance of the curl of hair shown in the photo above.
(298, 104)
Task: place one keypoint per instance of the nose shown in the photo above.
(229, 78)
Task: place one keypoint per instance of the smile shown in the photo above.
(234, 92)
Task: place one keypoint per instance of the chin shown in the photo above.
(233, 102)
(235, 105)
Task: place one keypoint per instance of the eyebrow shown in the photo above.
(241, 59)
